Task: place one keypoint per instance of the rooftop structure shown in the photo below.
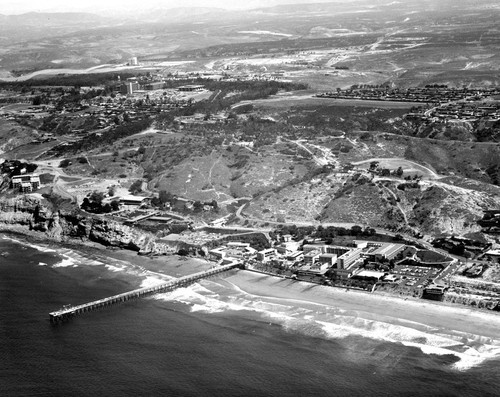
(133, 201)
(369, 275)
(376, 250)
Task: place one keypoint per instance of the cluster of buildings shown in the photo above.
(429, 94)
(230, 75)
(460, 245)
(318, 261)
(202, 118)
(142, 83)
(466, 110)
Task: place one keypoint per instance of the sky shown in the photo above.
(98, 6)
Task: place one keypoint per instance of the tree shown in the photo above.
(115, 205)
(136, 187)
(399, 172)
(398, 237)
(198, 206)
(65, 163)
(86, 204)
(97, 197)
(165, 196)
(356, 230)
(369, 231)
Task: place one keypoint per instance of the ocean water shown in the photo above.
(210, 339)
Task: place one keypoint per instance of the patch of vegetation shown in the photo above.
(94, 204)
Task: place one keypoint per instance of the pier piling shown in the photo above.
(66, 313)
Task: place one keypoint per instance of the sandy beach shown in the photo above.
(470, 334)
(393, 310)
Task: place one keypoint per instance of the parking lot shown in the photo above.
(415, 277)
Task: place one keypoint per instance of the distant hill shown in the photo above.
(48, 20)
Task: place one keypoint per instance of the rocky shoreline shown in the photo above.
(37, 218)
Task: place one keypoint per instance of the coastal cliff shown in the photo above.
(35, 215)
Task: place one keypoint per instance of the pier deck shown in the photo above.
(68, 312)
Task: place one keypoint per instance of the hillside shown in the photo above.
(13, 135)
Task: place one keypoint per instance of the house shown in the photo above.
(132, 202)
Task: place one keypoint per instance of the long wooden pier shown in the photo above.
(67, 312)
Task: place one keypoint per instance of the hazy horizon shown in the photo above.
(12, 7)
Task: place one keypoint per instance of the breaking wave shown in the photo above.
(66, 262)
(332, 323)
(31, 245)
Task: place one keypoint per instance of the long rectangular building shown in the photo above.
(377, 250)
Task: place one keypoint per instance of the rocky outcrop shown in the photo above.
(36, 215)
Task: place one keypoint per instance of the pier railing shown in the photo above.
(68, 312)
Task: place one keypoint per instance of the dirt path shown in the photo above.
(432, 173)
(319, 161)
(396, 198)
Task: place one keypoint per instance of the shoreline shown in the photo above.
(394, 310)
(139, 265)
(470, 335)
(371, 306)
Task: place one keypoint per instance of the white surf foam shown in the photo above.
(152, 281)
(327, 322)
(428, 343)
(114, 269)
(199, 299)
(66, 262)
(468, 359)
